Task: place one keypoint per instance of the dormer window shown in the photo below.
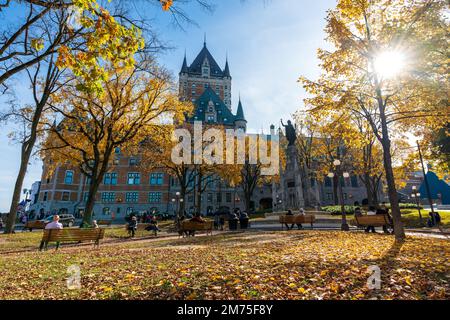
(205, 71)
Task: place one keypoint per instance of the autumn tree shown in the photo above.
(66, 45)
(48, 37)
(307, 144)
(387, 64)
(157, 154)
(30, 118)
(133, 104)
(367, 159)
(254, 171)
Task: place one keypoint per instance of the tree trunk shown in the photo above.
(374, 184)
(93, 188)
(26, 153)
(26, 150)
(387, 161)
(96, 179)
(369, 189)
(248, 199)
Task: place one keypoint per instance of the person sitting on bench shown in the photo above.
(302, 213)
(289, 213)
(55, 224)
(196, 218)
(153, 225)
(371, 212)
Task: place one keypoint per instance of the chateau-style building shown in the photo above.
(126, 189)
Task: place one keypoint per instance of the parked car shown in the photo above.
(67, 220)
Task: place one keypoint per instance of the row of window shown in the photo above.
(107, 211)
(133, 178)
(133, 197)
(65, 196)
(194, 85)
(219, 198)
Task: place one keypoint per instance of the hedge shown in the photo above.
(351, 209)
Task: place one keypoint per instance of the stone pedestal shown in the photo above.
(291, 182)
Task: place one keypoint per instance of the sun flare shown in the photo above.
(388, 64)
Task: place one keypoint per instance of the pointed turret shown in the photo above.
(184, 68)
(226, 71)
(240, 112)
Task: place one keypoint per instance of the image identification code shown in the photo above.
(226, 309)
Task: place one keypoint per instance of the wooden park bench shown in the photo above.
(378, 220)
(297, 219)
(71, 235)
(35, 224)
(189, 227)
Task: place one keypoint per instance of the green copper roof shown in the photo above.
(240, 112)
(202, 105)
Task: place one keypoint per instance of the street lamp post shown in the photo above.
(416, 195)
(178, 200)
(179, 211)
(338, 172)
(173, 205)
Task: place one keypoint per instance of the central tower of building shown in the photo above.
(205, 73)
(208, 87)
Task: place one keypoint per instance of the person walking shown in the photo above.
(132, 226)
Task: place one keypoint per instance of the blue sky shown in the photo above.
(270, 43)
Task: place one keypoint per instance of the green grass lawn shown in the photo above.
(31, 240)
(250, 265)
(413, 220)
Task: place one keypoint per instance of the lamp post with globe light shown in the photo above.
(338, 172)
(178, 201)
(416, 195)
